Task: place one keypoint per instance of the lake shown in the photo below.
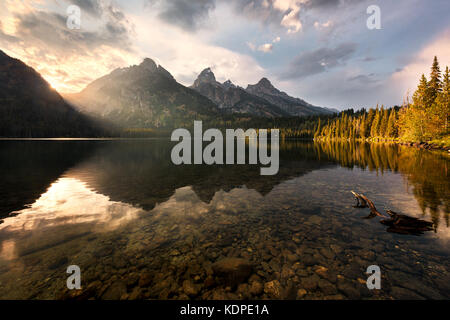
(140, 227)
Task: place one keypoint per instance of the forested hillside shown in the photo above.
(30, 108)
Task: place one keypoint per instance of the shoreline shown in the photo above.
(418, 145)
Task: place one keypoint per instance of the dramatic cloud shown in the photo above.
(240, 39)
(317, 61)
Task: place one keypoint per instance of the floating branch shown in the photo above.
(361, 203)
(397, 223)
(364, 202)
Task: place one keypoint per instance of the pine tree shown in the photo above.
(369, 120)
(391, 131)
(318, 130)
(375, 124)
(445, 101)
(420, 97)
(434, 86)
(441, 107)
(415, 118)
(362, 127)
(384, 122)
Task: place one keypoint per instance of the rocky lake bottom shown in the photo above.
(140, 230)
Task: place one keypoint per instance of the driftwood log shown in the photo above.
(397, 223)
(365, 202)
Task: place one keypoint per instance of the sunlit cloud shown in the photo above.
(68, 59)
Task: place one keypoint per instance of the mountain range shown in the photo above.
(234, 99)
(143, 96)
(136, 97)
(261, 99)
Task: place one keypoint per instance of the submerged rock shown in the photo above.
(301, 293)
(60, 262)
(315, 220)
(145, 279)
(405, 294)
(115, 291)
(190, 288)
(310, 283)
(256, 288)
(273, 289)
(232, 270)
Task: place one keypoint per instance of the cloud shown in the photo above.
(323, 25)
(186, 54)
(363, 78)
(288, 14)
(187, 14)
(50, 28)
(251, 45)
(190, 15)
(6, 37)
(281, 13)
(291, 14)
(92, 7)
(369, 59)
(267, 47)
(323, 4)
(317, 61)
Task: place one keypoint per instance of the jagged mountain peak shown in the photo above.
(149, 64)
(294, 106)
(264, 82)
(228, 84)
(207, 76)
(263, 85)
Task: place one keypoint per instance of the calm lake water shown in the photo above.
(140, 227)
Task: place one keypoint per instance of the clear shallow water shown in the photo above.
(140, 227)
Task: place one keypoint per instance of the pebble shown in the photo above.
(273, 289)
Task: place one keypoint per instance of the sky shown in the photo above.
(319, 50)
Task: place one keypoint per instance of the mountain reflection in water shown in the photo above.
(140, 227)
